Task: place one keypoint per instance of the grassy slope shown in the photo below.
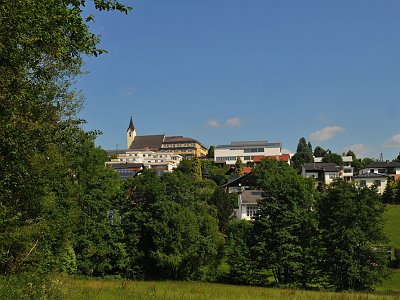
(167, 290)
(392, 225)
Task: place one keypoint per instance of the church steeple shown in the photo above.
(130, 133)
(131, 126)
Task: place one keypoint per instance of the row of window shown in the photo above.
(253, 150)
(251, 210)
(364, 182)
(178, 145)
(225, 158)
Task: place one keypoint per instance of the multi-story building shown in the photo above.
(184, 146)
(379, 181)
(246, 150)
(130, 162)
(391, 168)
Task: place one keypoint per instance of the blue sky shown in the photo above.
(222, 71)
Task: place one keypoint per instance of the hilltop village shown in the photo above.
(164, 153)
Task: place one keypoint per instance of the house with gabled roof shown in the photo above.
(323, 173)
(377, 180)
(390, 168)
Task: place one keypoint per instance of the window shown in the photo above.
(363, 183)
(251, 210)
(371, 170)
(247, 158)
(382, 171)
(377, 182)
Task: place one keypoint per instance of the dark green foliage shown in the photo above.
(301, 158)
(396, 261)
(390, 194)
(224, 204)
(185, 166)
(238, 253)
(42, 43)
(215, 172)
(210, 152)
(98, 247)
(319, 152)
(171, 234)
(303, 146)
(352, 226)
(285, 227)
(333, 158)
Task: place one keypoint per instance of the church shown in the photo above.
(184, 146)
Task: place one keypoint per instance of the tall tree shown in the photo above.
(303, 146)
(43, 43)
(319, 152)
(196, 170)
(282, 232)
(352, 230)
(238, 166)
(333, 158)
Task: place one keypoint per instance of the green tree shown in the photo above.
(351, 220)
(319, 152)
(98, 237)
(303, 146)
(210, 152)
(285, 226)
(300, 159)
(333, 158)
(43, 43)
(238, 254)
(390, 193)
(224, 204)
(170, 234)
(196, 170)
(238, 166)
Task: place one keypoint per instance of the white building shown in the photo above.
(372, 179)
(248, 204)
(246, 150)
(159, 161)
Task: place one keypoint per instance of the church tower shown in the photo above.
(130, 133)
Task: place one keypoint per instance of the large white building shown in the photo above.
(129, 162)
(246, 150)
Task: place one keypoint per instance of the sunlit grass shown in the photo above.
(87, 289)
(392, 224)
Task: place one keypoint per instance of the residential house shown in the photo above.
(346, 171)
(391, 168)
(323, 173)
(372, 179)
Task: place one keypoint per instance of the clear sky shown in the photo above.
(229, 70)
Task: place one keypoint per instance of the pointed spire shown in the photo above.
(131, 126)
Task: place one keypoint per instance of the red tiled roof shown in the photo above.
(284, 157)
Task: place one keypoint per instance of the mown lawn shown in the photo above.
(87, 289)
(392, 224)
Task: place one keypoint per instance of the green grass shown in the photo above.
(88, 289)
(392, 283)
(392, 224)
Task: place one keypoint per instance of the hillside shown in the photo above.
(392, 225)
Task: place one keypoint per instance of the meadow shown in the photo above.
(392, 224)
(87, 289)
